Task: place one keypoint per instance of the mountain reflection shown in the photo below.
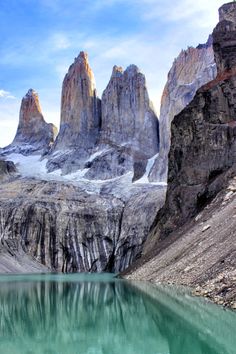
(50, 316)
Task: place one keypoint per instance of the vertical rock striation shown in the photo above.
(192, 68)
(69, 230)
(108, 138)
(128, 116)
(80, 107)
(203, 144)
(33, 133)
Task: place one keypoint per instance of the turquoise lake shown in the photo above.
(99, 314)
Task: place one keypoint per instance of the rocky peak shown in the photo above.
(127, 113)
(33, 133)
(190, 70)
(224, 38)
(117, 71)
(30, 108)
(203, 137)
(228, 12)
(80, 107)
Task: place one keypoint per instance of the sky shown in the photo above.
(41, 38)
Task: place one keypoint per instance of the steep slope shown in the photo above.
(68, 230)
(127, 113)
(80, 107)
(129, 131)
(190, 70)
(105, 139)
(7, 168)
(202, 158)
(80, 118)
(201, 254)
(33, 133)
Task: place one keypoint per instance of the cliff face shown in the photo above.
(33, 133)
(6, 168)
(202, 162)
(63, 219)
(80, 107)
(192, 68)
(225, 38)
(68, 230)
(107, 138)
(203, 136)
(127, 113)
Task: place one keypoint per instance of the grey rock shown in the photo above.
(192, 68)
(114, 162)
(128, 117)
(7, 168)
(80, 108)
(33, 133)
(203, 148)
(225, 38)
(68, 230)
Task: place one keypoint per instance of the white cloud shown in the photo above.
(6, 94)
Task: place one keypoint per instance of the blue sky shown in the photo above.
(41, 38)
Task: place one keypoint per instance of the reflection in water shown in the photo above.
(100, 315)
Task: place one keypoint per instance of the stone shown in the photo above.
(128, 116)
(110, 140)
(7, 168)
(80, 108)
(190, 70)
(205, 228)
(203, 149)
(225, 38)
(33, 133)
(69, 230)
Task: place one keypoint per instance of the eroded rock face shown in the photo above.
(128, 116)
(80, 107)
(192, 68)
(7, 168)
(225, 38)
(203, 145)
(108, 141)
(69, 230)
(33, 133)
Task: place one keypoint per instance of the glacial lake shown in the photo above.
(99, 314)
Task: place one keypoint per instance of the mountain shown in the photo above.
(192, 241)
(72, 206)
(190, 70)
(33, 133)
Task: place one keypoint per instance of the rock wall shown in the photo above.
(128, 116)
(69, 230)
(80, 107)
(33, 133)
(225, 38)
(203, 143)
(192, 68)
(107, 140)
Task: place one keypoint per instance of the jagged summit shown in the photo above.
(118, 130)
(31, 92)
(227, 12)
(191, 69)
(33, 133)
(117, 71)
(80, 107)
(127, 113)
(224, 38)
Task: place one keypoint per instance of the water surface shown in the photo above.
(98, 314)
